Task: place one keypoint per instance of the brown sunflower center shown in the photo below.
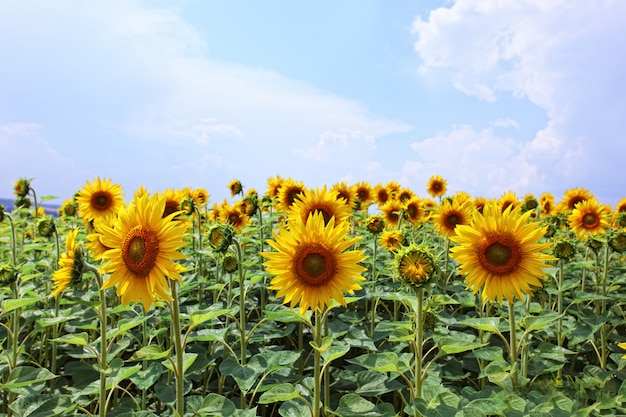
(452, 220)
(590, 220)
(500, 254)
(170, 207)
(326, 213)
(436, 186)
(139, 250)
(573, 201)
(315, 265)
(101, 200)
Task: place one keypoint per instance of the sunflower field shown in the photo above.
(343, 300)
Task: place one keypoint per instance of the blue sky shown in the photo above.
(520, 95)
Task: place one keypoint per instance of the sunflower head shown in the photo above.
(234, 217)
(564, 249)
(235, 187)
(288, 193)
(588, 218)
(381, 194)
(100, 198)
(71, 265)
(22, 203)
(250, 204)
(530, 203)
(221, 236)
(415, 265)
(2, 213)
(311, 263)
(436, 186)
(363, 192)
(8, 274)
(392, 211)
(46, 226)
(392, 240)
(69, 208)
(21, 187)
(317, 200)
(450, 214)
(621, 219)
(595, 244)
(617, 241)
(500, 254)
(413, 211)
(229, 263)
(187, 206)
(375, 224)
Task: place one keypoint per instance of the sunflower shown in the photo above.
(413, 210)
(71, 265)
(200, 196)
(69, 208)
(572, 197)
(499, 252)
(375, 224)
(405, 194)
(320, 201)
(101, 198)
(347, 193)
(415, 265)
(235, 187)
(381, 194)
(450, 214)
(21, 187)
(622, 346)
(311, 264)
(529, 203)
(393, 240)
(288, 193)
(273, 186)
(620, 207)
(588, 218)
(173, 200)
(391, 211)
(144, 246)
(234, 216)
(546, 204)
(436, 186)
(363, 191)
(430, 207)
(508, 199)
(479, 203)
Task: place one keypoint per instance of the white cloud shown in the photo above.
(340, 147)
(567, 57)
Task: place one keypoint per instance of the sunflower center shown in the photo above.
(590, 220)
(139, 250)
(101, 200)
(500, 254)
(314, 264)
(452, 220)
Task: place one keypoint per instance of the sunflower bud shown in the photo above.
(21, 187)
(69, 208)
(22, 202)
(46, 226)
(564, 249)
(621, 219)
(221, 236)
(235, 187)
(188, 206)
(8, 274)
(375, 224)
(229, 263)
(415, 265)
(595, 244)
(617, 242)
(2, 211)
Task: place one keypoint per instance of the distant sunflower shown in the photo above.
(200, 196)
(71, 265)
(588, 218)
(21, 187)
(320, 201)
(479, 203)
(500, 254)
(173, 199)
(572, 197)
(381, 194)
(311, 264)
(546, 204)
(234, 216)
(413, 211)
(288, 193)
(430, 207)
(273, 186)
(450, 214)
(620, 207)
(101, 198)
(144, 246)
(363, 191)
(391, 211)
(235, 187)
(405, 194)
(392, 240)
(436, 186)
(415, 265)
(508, 199)
(345, 192)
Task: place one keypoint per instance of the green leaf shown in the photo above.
(199, 317)
(147, 377)
(125, 325)
(286, 316)
(451, 345)
(10, 305)
(294, 408)
(484, 407)
(80, 339)
(327, 341)
(378, 362)
(23, 376)
(336, 351)
(352, 405)
(487, 324)
(539, 323)
(42, 405)
(245, 376)
(150, 353)
(278, 393)
(215, 405)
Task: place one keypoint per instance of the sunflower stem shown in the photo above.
(179, 369)
(317, 365)
(559, 308)
(419, 340)
(513, 350)
(603, 335)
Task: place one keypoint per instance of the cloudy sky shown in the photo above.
(520, 95)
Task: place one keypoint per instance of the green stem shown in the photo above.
(419, 340)
(102, 315)
(603, 333)
(317, 365)
(243, 344)
(559, 309)
(179, 369)
(513, 351)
